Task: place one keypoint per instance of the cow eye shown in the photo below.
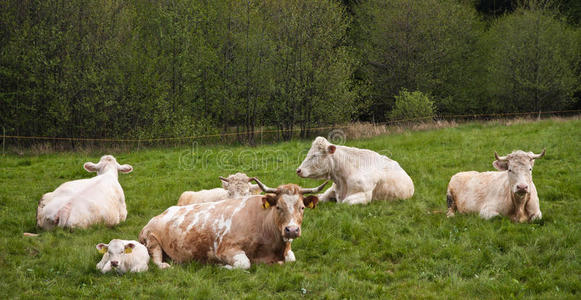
(278, 207)
(303, 208)
(530, 169)
(510, 170)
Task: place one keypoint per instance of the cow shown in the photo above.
(84, 202)
(359, 175)
(123, 256)
(236, 185)
(510, 191)
(233, 232)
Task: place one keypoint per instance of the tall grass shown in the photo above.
(393, 249)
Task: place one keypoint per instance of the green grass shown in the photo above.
(386, 249)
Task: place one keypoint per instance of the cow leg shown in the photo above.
(289, 255)
(234, 259)
(155, 250)
(328, 195)
(533, 210)
(359, 198)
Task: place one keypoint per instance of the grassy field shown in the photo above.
(386, 249)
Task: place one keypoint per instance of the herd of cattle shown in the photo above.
(236, 225)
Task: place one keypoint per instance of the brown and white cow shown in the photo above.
(233, 232)
(81, 203)
(508, 192)
(359, 175)
(234, 186)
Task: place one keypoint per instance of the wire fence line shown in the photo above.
(448, 117)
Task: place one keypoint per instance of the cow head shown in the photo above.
(113, 254)
(239, 185)
(106, 164)
(287, 204)
(318, 162)
(519, 167)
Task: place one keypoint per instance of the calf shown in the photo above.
(81, 203)
(358, 175)
(236, 232)
(508, 192)
(237, 185)
(123, 256)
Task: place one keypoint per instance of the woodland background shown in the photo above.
(147, 69)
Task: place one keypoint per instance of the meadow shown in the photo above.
(397, 249)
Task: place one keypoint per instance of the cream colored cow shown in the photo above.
(359, 175)
(508, 192)
(236, 185)
(81, 203)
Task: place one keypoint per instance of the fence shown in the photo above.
(39, 143)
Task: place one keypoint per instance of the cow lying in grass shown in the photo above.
(84, 202)
(508, 192)
(358, 175)
(233, 232)
(235, 186)
(123, 256)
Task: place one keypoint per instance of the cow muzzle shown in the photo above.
(292, 232)
(300, 173)
(114, 264)
(522, 189)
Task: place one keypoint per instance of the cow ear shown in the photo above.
(255, 189)
(500, 165)
(102, 248)
(129, 248)
(125, 168)
(90, 167)
(268, 200)
(311, 201)
(331, 149)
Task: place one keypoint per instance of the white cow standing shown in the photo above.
(123, 256)
(84, 202)
(510, 191)
(358, 175)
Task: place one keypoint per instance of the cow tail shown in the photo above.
(451, 204)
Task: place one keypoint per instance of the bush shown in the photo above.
(412, 106)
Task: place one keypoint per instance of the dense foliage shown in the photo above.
(412, 105)
(143, 69)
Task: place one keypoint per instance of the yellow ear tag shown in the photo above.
(311, 205)
(128, 250)
(266, 204)
(103, 250)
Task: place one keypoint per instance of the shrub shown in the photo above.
(412, 106)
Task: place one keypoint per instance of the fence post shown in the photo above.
(3, 140)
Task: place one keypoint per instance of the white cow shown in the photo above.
(508, 192)
(84, 202)
(235, 186)
(358, 175)
(123, 256)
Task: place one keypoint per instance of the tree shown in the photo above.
(534, 60)
(426, 45)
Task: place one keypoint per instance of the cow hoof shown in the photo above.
(164, 266)
(450, 214)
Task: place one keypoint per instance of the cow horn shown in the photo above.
(499, 157)
(263, 187)
(223, 179)
(314, 190)
(535, 156)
